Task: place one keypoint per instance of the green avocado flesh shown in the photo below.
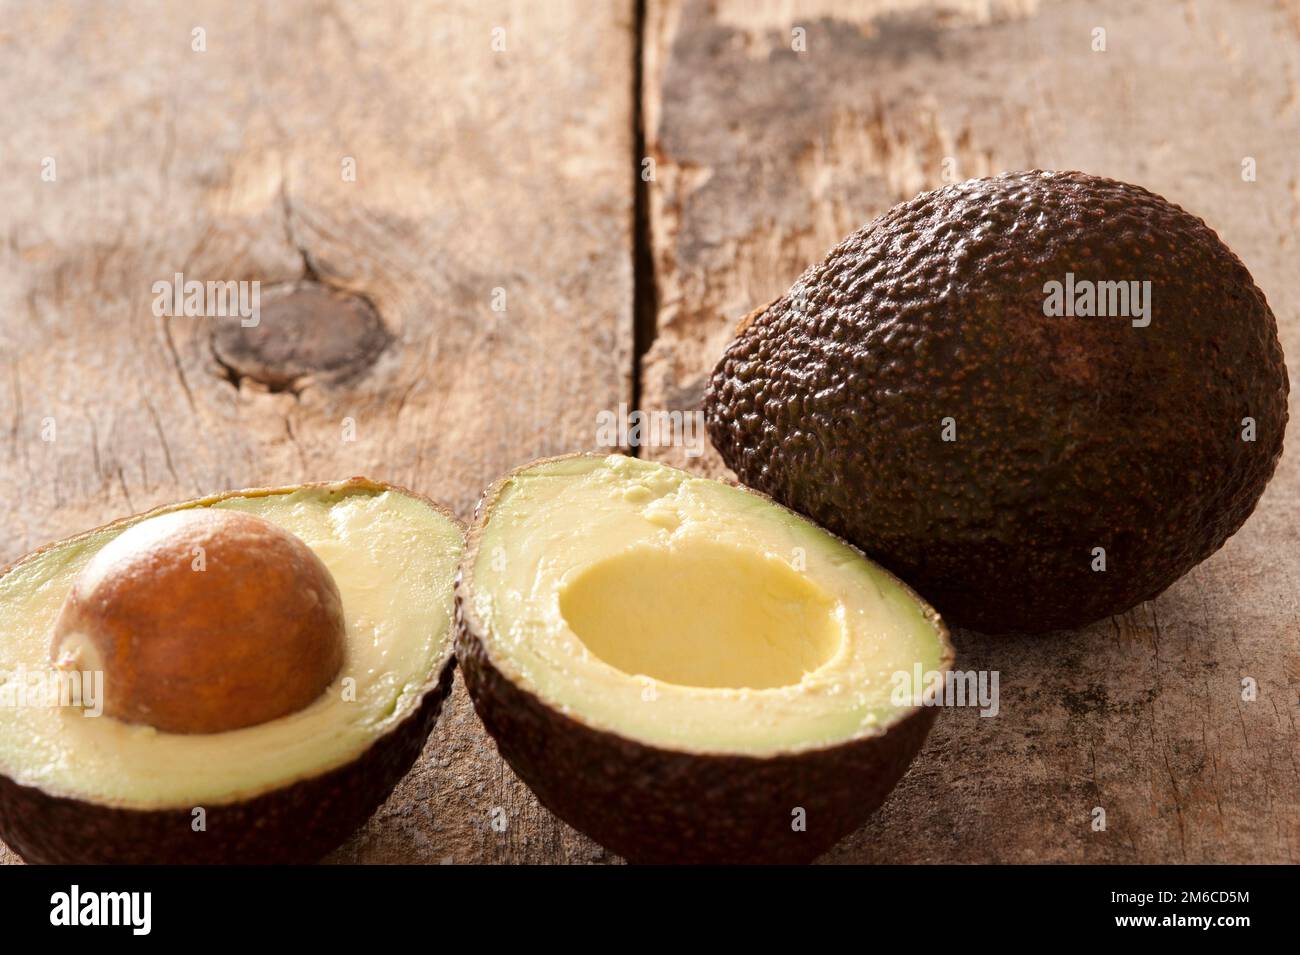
(689, 614)
(393, 557)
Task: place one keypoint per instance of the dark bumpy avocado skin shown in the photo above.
(652, 805)
(297, 824)
(1071, 433)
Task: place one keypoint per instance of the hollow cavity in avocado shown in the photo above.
(684, 669)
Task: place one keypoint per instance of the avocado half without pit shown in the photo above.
(242, 678)
(684, 669)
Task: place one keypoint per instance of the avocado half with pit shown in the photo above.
(683, 669)
(242, 678)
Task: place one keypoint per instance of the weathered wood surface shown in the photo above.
(479, 170)
(765, 157)
(476, 170)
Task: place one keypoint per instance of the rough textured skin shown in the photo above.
(653, 805)
(297, 823)
(1071, 432)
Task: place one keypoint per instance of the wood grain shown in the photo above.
(476, 170)
(479, 170)
(765, 157)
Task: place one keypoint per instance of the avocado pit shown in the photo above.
(203, 621)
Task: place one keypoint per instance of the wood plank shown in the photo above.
(476, 170)
(765, 157)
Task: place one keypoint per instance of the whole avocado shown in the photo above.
(951, 390)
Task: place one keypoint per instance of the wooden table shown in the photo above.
(496, 272)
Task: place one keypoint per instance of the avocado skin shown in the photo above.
(1072, 432)
(652, 805)
(658, 806)
(299, 823)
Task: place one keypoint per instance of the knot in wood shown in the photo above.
(304, 330)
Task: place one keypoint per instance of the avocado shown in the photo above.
(683, 669)
(1040, 398)
(275, 657)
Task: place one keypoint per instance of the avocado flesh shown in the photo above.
(731, 618)
(393, 557)
(918, 394)
(623, 579)
(674, 665)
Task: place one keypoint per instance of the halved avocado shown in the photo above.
(77, 788)
(683, 669)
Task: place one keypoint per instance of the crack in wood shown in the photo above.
(645, 298)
